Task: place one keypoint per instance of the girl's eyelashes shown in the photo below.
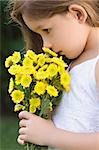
(46, 30)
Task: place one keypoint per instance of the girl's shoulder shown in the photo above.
(86, 72)
(74, 65)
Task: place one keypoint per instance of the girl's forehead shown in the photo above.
(34, 23)
(40, 23)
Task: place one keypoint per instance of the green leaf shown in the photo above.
(57, 100)
(45, 105)
(19, 87)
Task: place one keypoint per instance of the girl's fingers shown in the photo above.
(23, 123)
(20, 141)
(22, 131)
(24, 115)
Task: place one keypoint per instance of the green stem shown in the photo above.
(27, 109)
(44, 107)
(33, 147)
(45, 104)
(27, 146)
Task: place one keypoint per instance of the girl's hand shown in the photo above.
(35, 129)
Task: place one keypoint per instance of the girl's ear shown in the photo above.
(78, 12)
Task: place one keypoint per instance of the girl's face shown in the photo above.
(64, 34)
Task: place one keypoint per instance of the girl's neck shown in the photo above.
(91, 49)
(93, 41)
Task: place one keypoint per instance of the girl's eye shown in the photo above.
(46, 30)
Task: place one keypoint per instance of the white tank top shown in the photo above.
(79, 109)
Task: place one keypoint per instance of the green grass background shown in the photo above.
(9, 133)
(10, 40)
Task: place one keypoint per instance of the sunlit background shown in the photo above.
(10, 40)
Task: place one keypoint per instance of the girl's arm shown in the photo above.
(75, 141)
(36, 130)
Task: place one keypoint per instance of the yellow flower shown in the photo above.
(52, 91)
(16, 57)
(41, 59)
(58, 61)
(65, 79)
(27, 62)
(18, 107)
(11, 85)
(8, 62)
(39, 75)
(32, 109)
(18, 78)
(34, 103)
(14, 69)
(40, 88)
(48, 60)
(61, 69)
(28, 70)
(32, 55)
(47, 50)
(26, 80)
(17, 96)
(67, 88)
(62, 63)
(52, 70)
(43, 68)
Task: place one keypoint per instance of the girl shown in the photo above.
(70, 28)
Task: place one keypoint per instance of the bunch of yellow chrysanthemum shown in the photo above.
(37, 81)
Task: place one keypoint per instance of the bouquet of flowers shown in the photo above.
(37, 82)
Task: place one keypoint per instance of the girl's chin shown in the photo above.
(71, 56)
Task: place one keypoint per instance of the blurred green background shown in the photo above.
(10, 40)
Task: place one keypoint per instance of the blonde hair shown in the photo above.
(39, 9)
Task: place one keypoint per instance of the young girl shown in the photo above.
(70, 28)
